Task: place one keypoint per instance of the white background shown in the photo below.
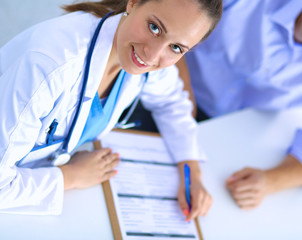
(18, 15)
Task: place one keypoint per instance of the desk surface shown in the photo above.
(254, 139)
(247, 138)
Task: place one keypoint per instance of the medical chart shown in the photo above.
(145, 189)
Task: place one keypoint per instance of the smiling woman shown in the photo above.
(158, 33)
(99, 60)
(154, 34)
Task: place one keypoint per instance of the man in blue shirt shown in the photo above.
(252, 59)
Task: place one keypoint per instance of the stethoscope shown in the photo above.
(61, 156)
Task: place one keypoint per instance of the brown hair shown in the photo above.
(213, 8)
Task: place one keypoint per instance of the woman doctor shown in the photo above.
(42, 74)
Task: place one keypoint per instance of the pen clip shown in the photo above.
(51, 131)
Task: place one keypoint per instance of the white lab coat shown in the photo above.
(40, 80)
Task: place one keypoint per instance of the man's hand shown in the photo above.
(250, 186)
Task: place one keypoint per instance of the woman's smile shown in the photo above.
(137, 60)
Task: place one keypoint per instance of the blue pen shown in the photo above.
(187, 184)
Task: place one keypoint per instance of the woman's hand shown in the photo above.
(86, 169)
(201, 200)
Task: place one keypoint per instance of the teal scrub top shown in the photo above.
(100, 112)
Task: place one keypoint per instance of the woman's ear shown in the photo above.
(130, 5)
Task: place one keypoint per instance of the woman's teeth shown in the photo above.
(138, 59)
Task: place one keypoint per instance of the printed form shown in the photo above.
(145, 189)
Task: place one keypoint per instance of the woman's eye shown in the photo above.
(176, 48)
(154, 29)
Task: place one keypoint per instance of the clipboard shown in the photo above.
(116, 230)
(108, 194)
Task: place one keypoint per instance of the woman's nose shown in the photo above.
(153, 52)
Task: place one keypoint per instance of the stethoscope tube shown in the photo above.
(85, 77)
(122, 124)
(61, 156)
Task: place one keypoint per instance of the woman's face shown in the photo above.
(157, 34)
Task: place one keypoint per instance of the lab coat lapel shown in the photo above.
(101, 54)
(97, 67)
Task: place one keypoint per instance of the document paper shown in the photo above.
(145, 189)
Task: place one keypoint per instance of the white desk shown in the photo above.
(231, 142)
(84, 217)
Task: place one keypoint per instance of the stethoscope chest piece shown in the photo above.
(59, 158)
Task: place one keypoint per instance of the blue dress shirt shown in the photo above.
(250, 60)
